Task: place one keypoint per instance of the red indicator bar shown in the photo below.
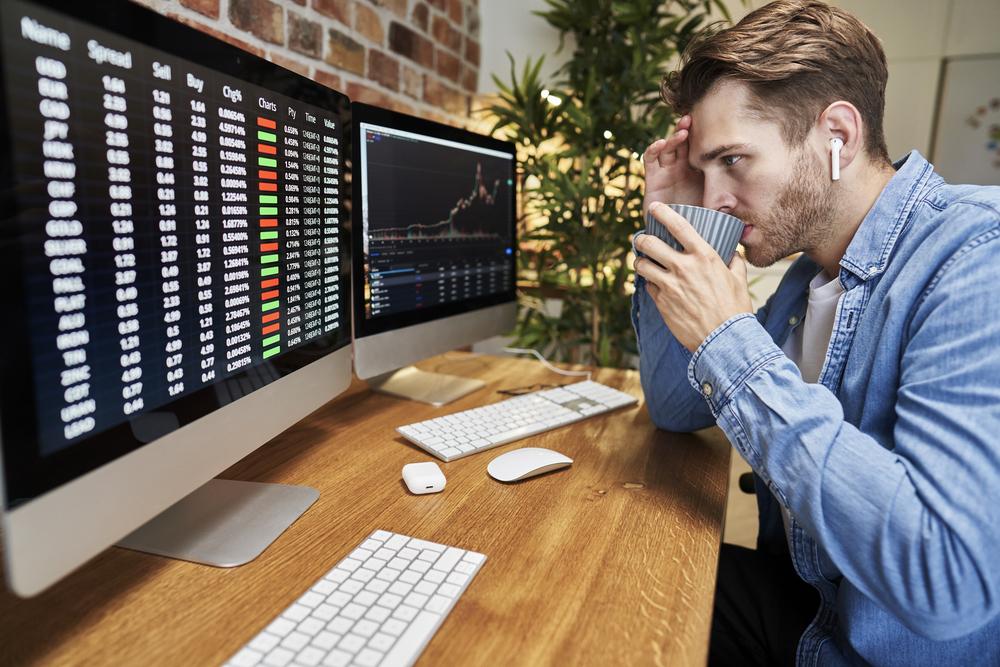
(271, 328)
(270, 317)
(270, 282)
(268, 187)
(267, 174)
(268, 222)
(264, 148)
(266, 122)
(268, 247)
(267, 296)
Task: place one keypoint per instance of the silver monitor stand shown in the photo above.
(224, 523)
(424, 386)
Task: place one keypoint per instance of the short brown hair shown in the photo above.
(797, 57)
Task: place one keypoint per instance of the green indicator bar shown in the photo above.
(268, 259)
(266, 136)
(271, 340)
(269, 271)
(269, 199)
(269, 210)
(270, 305)
(273, 351)
(267, 161)
(268, 235)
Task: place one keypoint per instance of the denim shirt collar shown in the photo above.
(868, 253)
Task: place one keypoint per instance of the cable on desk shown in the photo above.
(545, 362)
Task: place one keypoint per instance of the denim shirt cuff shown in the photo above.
(727, 357)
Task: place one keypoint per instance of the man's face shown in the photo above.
(781, 192)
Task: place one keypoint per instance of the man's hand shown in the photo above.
(693, 290)
(669, 177)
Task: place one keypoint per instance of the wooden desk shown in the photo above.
(611, 561)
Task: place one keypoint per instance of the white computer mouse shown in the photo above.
(526, 462)
(423, 477)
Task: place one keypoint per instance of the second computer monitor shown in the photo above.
(434, 242)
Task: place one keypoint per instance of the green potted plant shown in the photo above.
(579, 140)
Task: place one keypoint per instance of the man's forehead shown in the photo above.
(725, 117)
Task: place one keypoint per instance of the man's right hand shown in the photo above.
(669, 177)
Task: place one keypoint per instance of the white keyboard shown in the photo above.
(379, 606)
(463, 433)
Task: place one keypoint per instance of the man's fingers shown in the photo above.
(649, 270)
(738, 266)
(652, 152)
(657, 250)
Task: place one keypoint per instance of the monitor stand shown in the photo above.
(224, 523)
(424, 386)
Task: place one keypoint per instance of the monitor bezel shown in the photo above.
(27, 474)
(366, 113)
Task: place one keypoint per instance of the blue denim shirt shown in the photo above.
(890, 465)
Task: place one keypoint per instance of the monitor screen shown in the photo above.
(171, 232)
(437, 220)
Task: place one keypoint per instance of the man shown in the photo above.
(866, 393)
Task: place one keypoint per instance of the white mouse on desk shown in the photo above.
(526, 462)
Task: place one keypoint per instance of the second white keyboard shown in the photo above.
(378, 606)
(470, 431)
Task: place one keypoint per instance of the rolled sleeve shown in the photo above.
(727, 357)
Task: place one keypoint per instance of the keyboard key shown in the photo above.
(281, 627)
(465, 568)
(311, 626)
(376, 585)
(474, 557)
(438, 604)
(279, 657)
(457, 578)
(416, 600)
(364, 628)
(450, 590)
(434, 576)
(246, 658)
(394, 627)
(405, 613)
(425, 587)
(351, 586)
(296, 612)
(339, 625)
(337, 658)
(365, 598)
(311, 599)
(325, 640)
(295, 641)
(324, 587)
(382, 641)
(352, 611)
(264, 642)
(352, 643)
(368, 658)
(448, 559)
(396, 542)
(309, 656)
(410, 577)
(381, 535)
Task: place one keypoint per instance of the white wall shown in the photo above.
(509, 25)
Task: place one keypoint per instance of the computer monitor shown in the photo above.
(434, 247)
(176, 282)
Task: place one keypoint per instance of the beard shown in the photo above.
(800, 219)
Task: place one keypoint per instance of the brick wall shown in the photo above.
(416, 56)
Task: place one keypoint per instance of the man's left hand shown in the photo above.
(694, 291)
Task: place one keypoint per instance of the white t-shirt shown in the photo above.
(808, 343)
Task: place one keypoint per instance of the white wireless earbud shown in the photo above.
(835, 145)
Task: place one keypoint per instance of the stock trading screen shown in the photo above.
(438, 220)
(178, 226)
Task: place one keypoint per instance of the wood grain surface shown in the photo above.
(610, 561)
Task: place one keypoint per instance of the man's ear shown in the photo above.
(840, 120)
